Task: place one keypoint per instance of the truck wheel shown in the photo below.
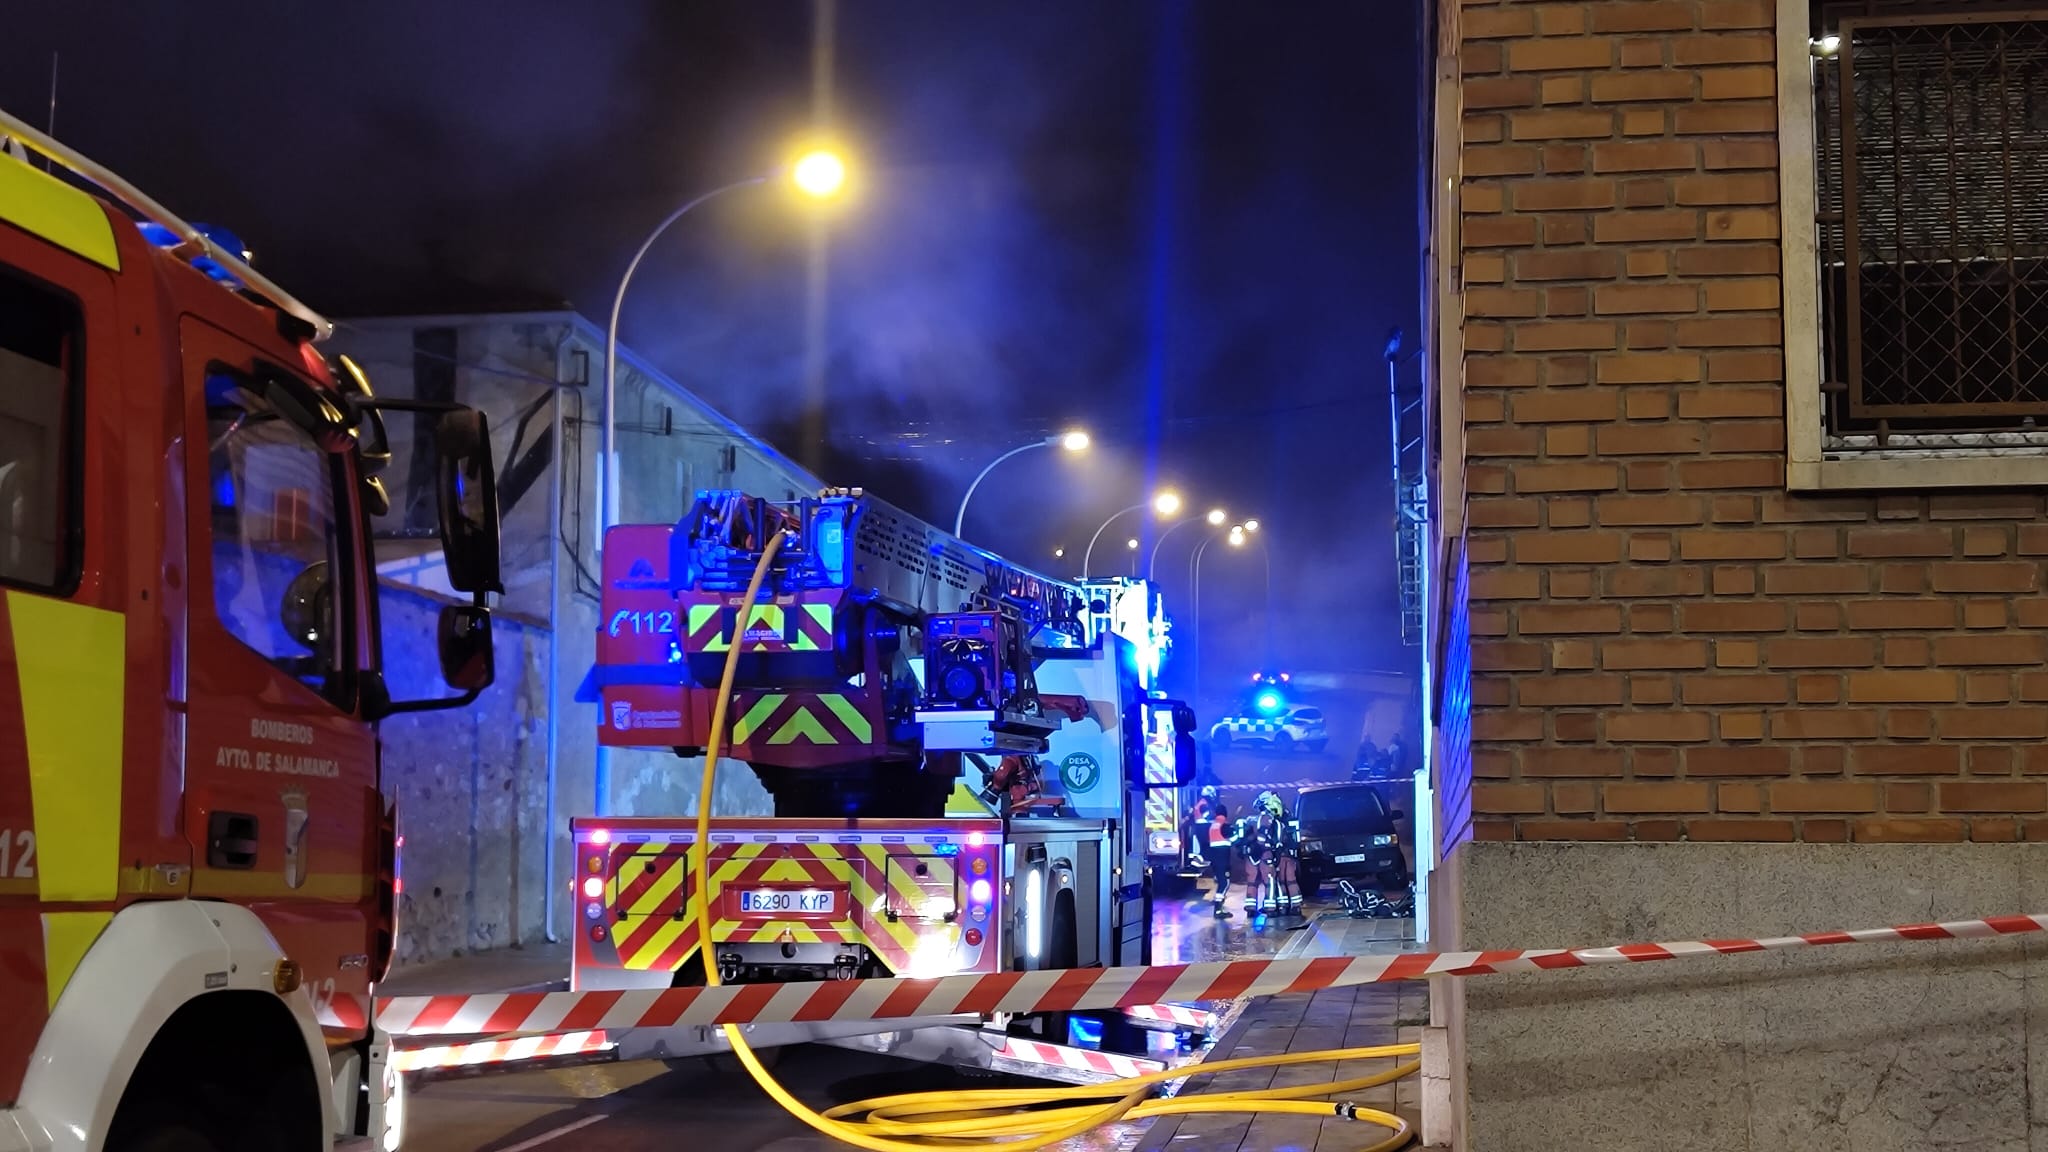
(1283, 744)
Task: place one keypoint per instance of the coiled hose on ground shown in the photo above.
(1017, 1119)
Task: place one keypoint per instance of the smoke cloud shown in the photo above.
(1000, 275)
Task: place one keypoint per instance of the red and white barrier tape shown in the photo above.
(499, 1051)
(1078, 1059)
(1172, 1014)
(1068, 990)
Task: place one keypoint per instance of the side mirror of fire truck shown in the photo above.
(468, 495)
(464, 640)
(1184, 757)
(1186, 754)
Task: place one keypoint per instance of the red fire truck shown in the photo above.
(196, 864)
(957, 749)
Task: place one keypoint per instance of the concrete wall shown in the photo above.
(473, 785)
(471, 791)
(1704, 701)
(1867, 1048)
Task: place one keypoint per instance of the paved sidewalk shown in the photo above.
(540, 968)
(1333, 1018)
(1335, 934)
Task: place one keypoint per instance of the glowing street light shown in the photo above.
(1071, 441)
(819, 175)
(1165, 504)
(1132, 543)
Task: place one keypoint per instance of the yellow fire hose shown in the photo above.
(1015, 1119)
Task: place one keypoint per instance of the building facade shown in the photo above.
(485, 793)
(1738, 315)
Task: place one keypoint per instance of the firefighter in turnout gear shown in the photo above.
(1288, 858)
(1197, 824)
(1220, 836)
(1259, 841)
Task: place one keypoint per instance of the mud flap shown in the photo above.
(386, 1127)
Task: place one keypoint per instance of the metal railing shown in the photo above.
(1932, 229)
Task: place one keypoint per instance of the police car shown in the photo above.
(1283, 731)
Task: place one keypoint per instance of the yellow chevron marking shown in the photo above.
(855, 864)
(802, 723)
(744, 729)
(656, 944)
(767, 616)
(666, 881)
(965, 801)
(856, 724)
(821, 615)
(788, 871)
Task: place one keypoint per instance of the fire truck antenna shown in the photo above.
(51, 131)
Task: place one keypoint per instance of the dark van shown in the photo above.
(1347, 832)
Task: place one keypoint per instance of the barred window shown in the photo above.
(1931, 132)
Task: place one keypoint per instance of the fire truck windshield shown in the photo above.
(274, 536)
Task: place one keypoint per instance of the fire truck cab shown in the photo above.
(196, 860)
(960, 753)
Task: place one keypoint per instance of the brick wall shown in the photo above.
(1666, 645)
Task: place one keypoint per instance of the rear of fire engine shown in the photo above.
(196, 862)
(956, 747)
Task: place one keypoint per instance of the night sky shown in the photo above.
(1185, 227)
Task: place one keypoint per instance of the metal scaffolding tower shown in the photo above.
(1411, 491)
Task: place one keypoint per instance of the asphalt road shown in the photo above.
(646, 1106)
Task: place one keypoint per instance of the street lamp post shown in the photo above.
(1265, 554)
(1236, 537)
(1195, 611)
(1071, 441)
(819, 174)
(1165, 504)
(1214, 519)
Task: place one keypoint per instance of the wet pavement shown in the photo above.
(1187, 930)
